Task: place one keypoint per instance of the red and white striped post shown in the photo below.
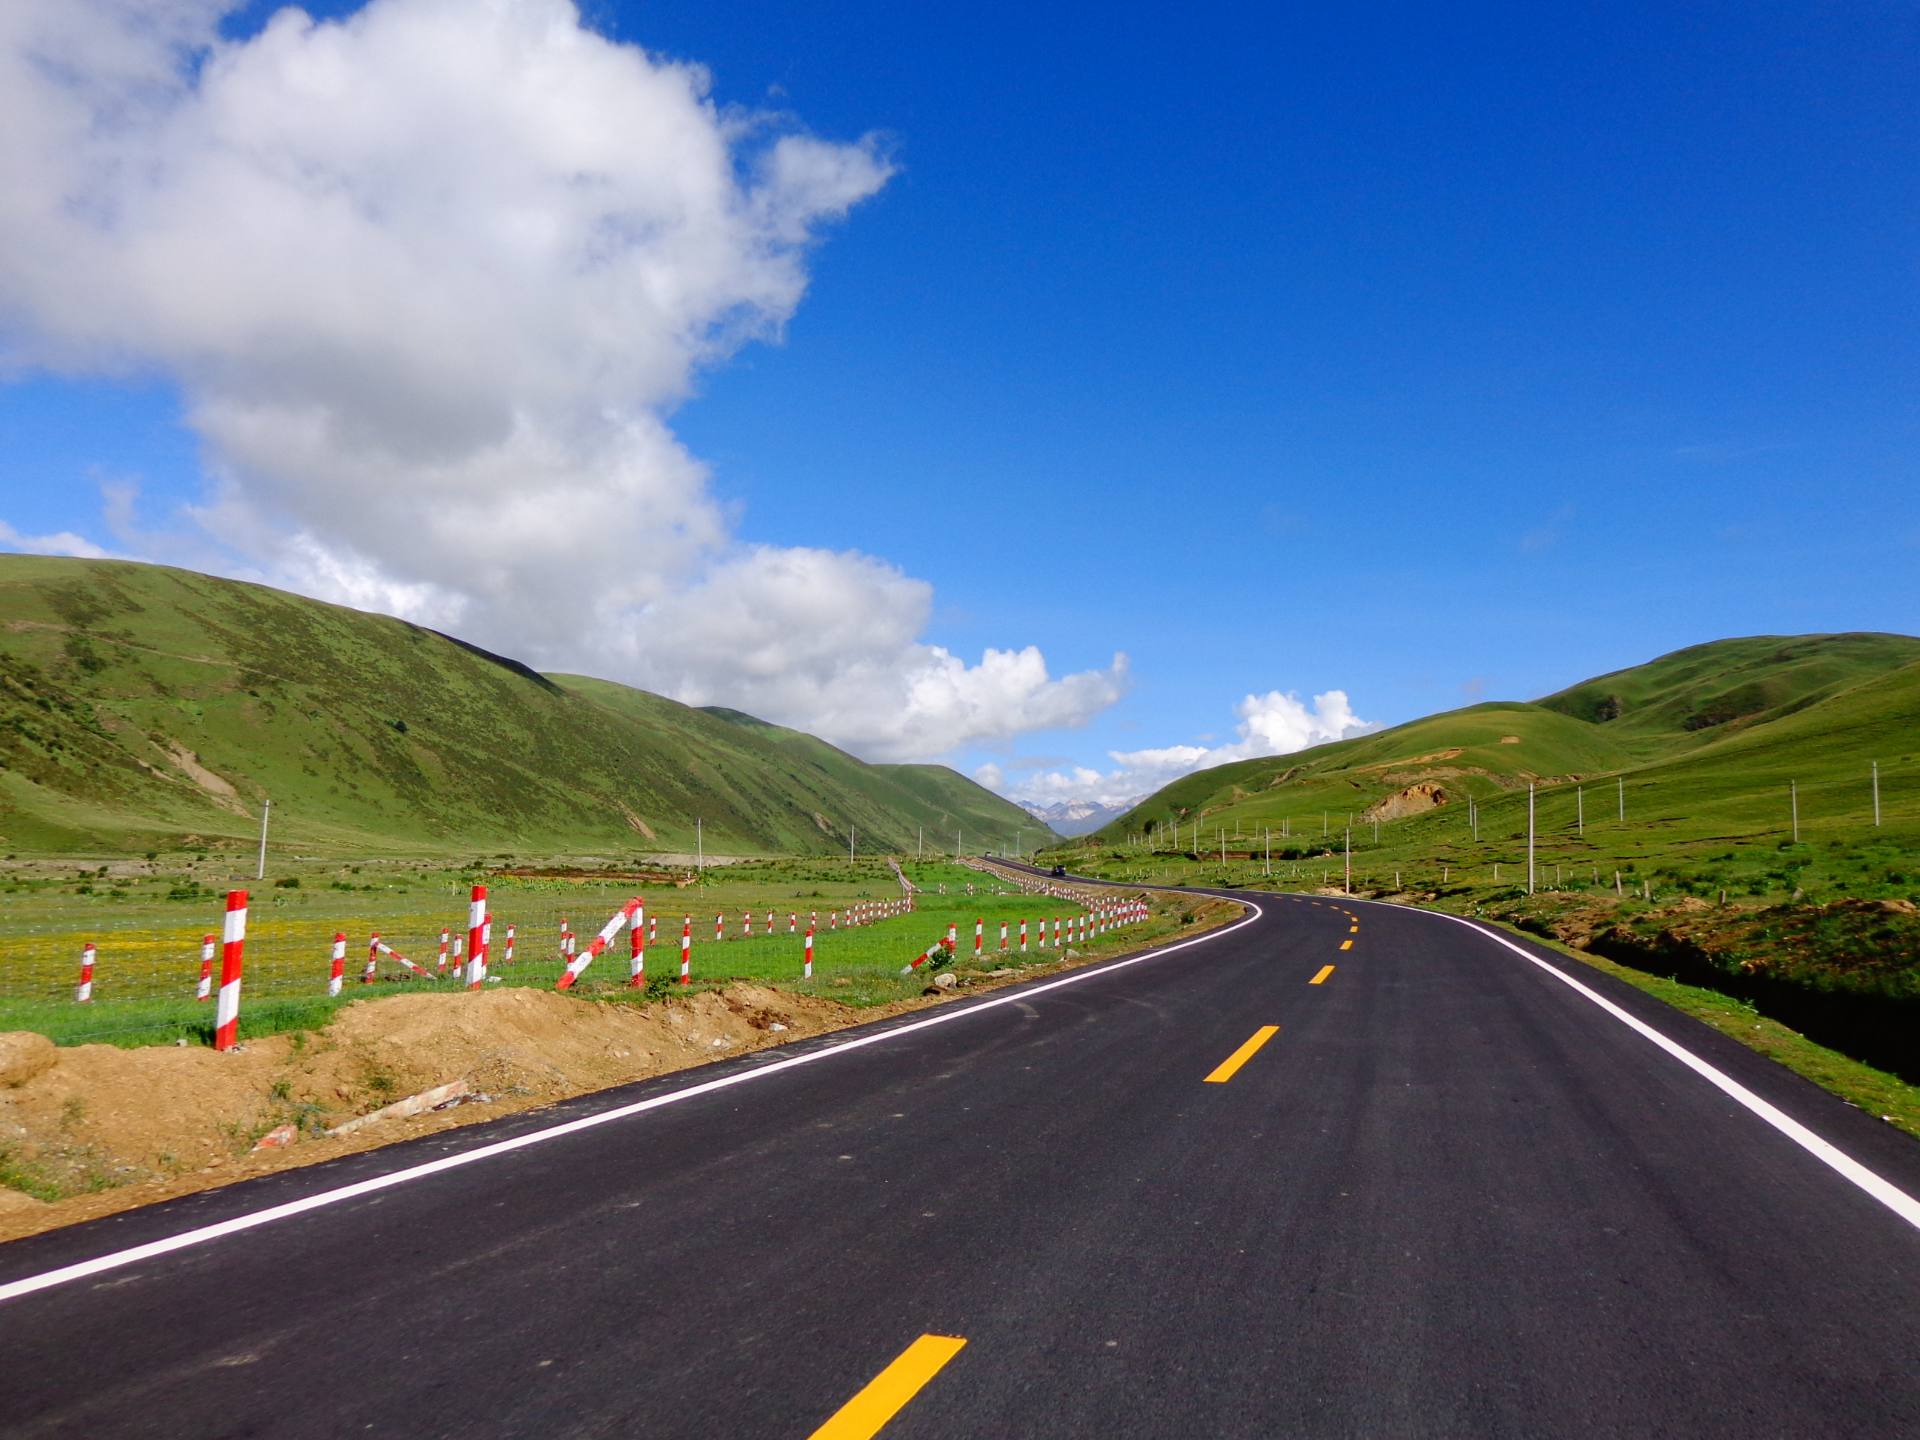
(746, 922)
(337, 972)
(566, 939)
(719, 928)
(806, 971)
(686, 951)
(83, 992)
(226, 1008)
(653, 931)
(204, 990)
(598, 947)
(833, 921)
(441, 969)
(813, 919)
(507, 959)
(477, 938)
(1003, 935)
(637, 954)
(1023, 937)
(979, 936)
(793, 923)
(769, 922)
(373, 959)
(953, 939)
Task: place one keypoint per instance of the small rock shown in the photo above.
(181, 1043)
(945, 982)
(277, 1138)
(777, 1027)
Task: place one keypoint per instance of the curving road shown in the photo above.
(1218, 1190)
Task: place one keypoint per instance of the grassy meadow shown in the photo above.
(147, 922)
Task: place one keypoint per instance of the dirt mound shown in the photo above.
(1416, 799)
(137, 1125)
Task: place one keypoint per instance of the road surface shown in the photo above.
(1223, 1190)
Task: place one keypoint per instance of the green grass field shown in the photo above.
(148, 945)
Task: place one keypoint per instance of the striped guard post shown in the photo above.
(507, 959)
(1023, 937)
(226, 1007)
(373, 959)
(637, 956)
(1003, 935)
(444, 933)
(793, 922)
(600, 942)
(746, 922)
(769, 922)
(83, 992)
(653, 931)
(686, 951)
(979, 936)
(477, 937)
(204, 990)
(924, 956)
(806, 970)
(719, 928)
(337, 970)
(484, 959)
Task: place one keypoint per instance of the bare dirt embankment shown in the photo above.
(106, 1129)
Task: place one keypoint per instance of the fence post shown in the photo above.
(83, 992)
(337, 971)
(226, 1014)
(204, 991)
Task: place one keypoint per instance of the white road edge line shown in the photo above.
(186, 1239)
(1828, 1154)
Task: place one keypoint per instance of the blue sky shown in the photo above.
(1421, 355)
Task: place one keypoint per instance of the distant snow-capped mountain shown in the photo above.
(1077, 817)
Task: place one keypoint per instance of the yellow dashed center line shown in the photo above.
(884, 1395)
(1321, 978)
(1227, 1067)
(1346, 944)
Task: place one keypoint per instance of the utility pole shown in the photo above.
(1580, 808)
(849, 844)
(1876, 794)
(920, 845)
(1793, 799)
(956, 843)
(699, 846)
(1529, 837)
(1267, 865)
(260, 871)
(1349, 860)
(1622, 781)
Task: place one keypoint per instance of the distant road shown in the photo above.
(1346, 1170)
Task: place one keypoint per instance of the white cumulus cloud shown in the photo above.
(431, 279)
(1276, 723)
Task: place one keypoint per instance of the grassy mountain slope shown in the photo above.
(1722, 726)
(1706, 691)
(142, 707)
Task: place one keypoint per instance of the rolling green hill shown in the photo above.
(1720, 727)
(143, 707)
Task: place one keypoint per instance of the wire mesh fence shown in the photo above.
(151, 947)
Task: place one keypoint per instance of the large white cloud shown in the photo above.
(431, 279)
(1276, 723)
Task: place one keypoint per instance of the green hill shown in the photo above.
(1722, 726)
(143, 707)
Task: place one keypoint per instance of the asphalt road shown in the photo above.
(1449, 1195)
